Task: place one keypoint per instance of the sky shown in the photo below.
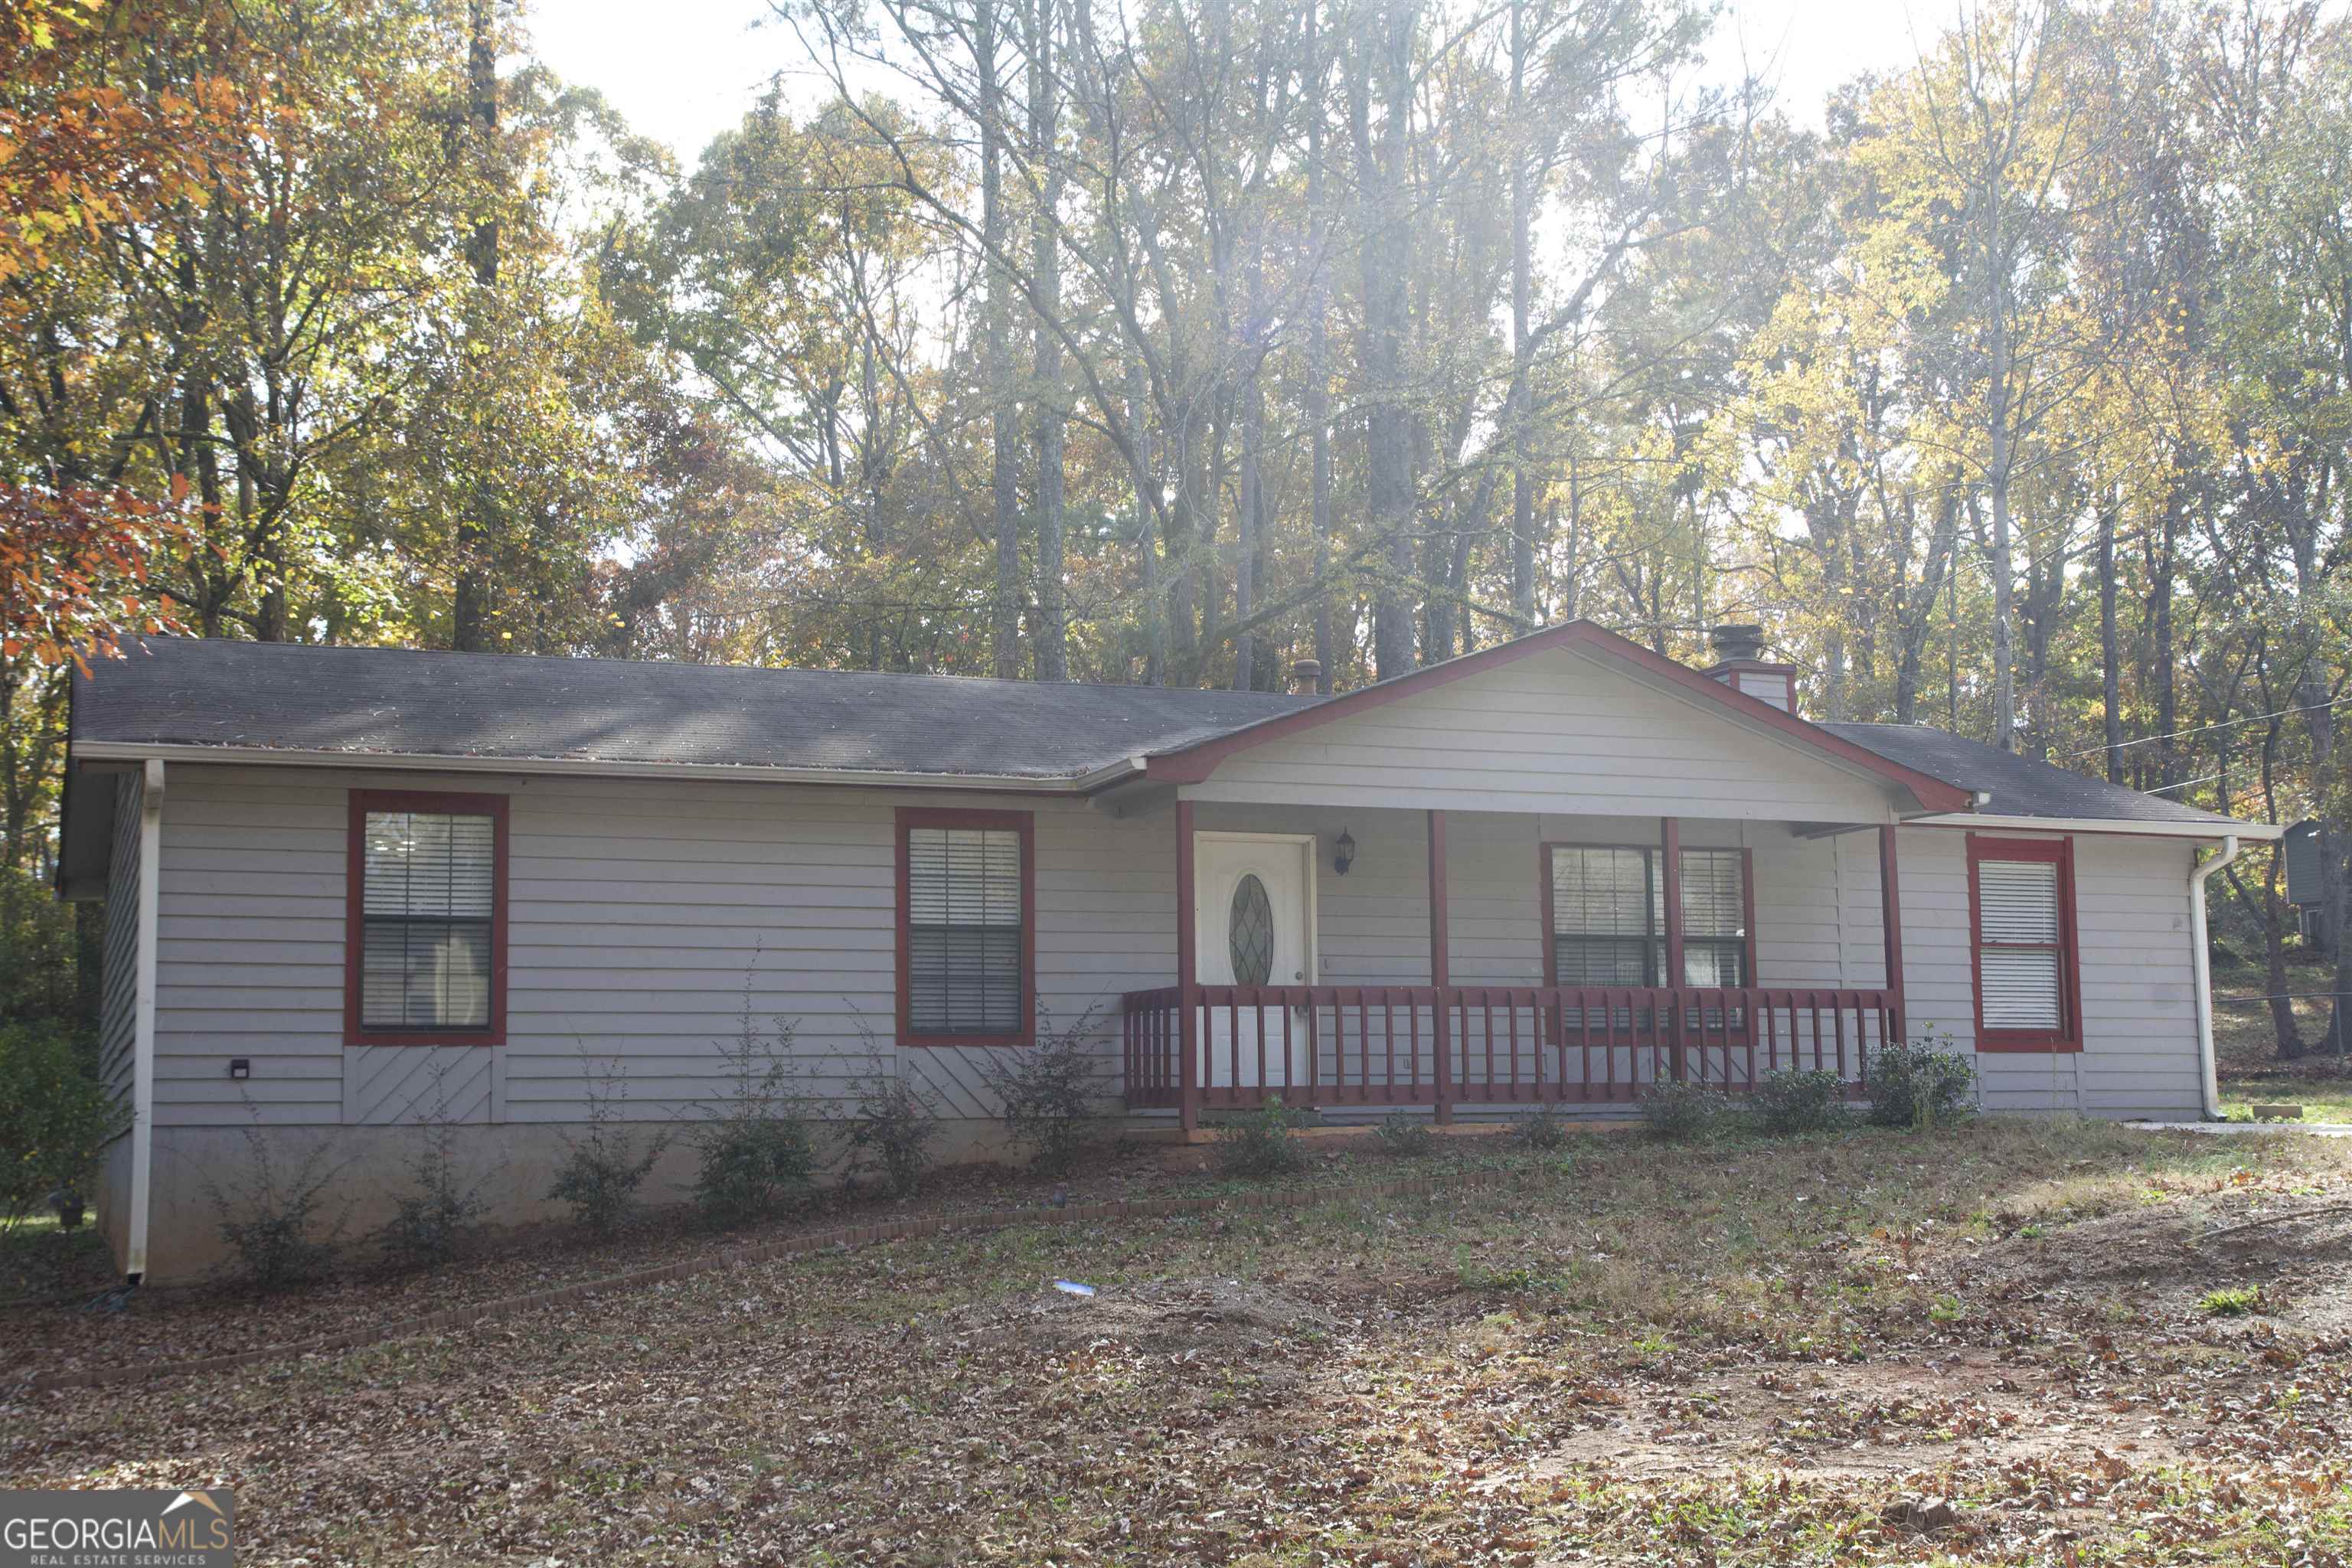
(695, 72)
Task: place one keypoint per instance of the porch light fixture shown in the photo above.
(1343, 853)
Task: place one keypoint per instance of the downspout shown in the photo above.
(142, 1014)
(2201, 959)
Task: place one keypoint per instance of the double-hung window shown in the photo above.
(425, 928)
(1608, 907)
(967, 939)
(2022, 913)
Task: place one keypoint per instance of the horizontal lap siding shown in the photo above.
(2139, 1054)
(1554, 731)
(639, 913)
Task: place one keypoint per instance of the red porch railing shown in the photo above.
(1378, 1044)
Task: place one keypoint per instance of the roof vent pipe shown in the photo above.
(1306, 676)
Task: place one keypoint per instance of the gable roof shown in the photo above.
(1193, 760)
(2021, 786)
(403, 703)
(281, 701)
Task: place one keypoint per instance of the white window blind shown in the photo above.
(1714, 917)
(1609, 922)
(427, 906)
(2020, 962)
(964, 922)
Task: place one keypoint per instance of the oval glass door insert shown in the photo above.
(1251, 937)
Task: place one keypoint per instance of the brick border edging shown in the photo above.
(848, 1235)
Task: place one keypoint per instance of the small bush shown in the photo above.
(2232, 1301)
(602, 1168)
(1405, 1135)
(1050, 1094)
(439, 1209)
(1789, 1102)
(756, 1149)
(1259, 1142)
(277, 1221)
(1923, 1085)
(887, 1132)
(1679, 1111)
(1544, 1127)
(56, 1121)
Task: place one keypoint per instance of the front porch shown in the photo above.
(1211, 1043)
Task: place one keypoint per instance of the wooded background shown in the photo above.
(1172, 343)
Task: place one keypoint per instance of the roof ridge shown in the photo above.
(683, 664)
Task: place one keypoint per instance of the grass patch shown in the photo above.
(1467, 1377)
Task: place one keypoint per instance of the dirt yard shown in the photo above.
(2062, 1345)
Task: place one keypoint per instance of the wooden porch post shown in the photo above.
(1441, 967)
(1670, 875)
(1188, 1060)
(1890, 900)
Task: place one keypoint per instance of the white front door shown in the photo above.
(1253, 924)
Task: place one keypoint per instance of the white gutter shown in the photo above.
(142, 1014)
(2264, 832)
(422, 762)
(2201, 958)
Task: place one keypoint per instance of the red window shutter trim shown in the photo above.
(2060, 852)
(363, 801)
(1021, 823)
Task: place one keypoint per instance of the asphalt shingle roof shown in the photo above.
(407, 702)
(2021, 785)
(185, 692)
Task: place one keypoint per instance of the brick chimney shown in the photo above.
(1739, 663)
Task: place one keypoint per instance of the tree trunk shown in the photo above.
(1523, 478)
(1005, 470)
(1383, 77)
(2111, 698)
(1051, 633)
(469, 618)
(1318, 349)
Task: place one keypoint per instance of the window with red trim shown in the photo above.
(426, 925)
(2021, 936)
(967, 927)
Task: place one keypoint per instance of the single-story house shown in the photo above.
(346, 884)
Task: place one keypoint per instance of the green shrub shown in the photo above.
(1050, 1094)
(439, 1209)
(1259, 1142)
(1403, 1134)
(602, 1168)
(1679, 1111)
(888, 1127)
(1923, 1085)
(1544, 1127)
(56, 1121)
(1789, 1102)
(756, 1148)
(277, 1221)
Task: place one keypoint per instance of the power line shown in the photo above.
(2202, 729)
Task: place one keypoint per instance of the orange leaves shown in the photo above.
(69, 562)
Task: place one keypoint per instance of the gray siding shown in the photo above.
(644, 917)
(2139, 1010)
(639, 909)
(1554, 731)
